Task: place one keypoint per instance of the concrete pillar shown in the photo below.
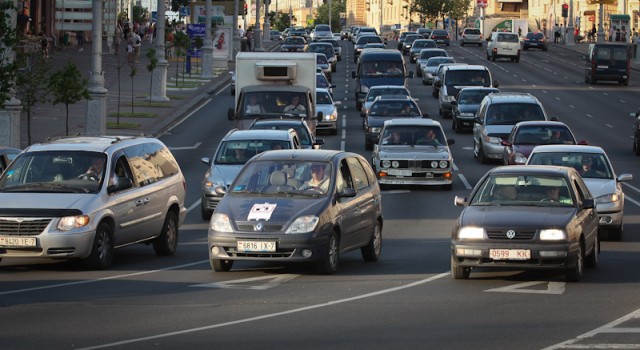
(159, 87)
(10, 113)
(257, 33)
(207, 48)
(236, 34)
(96, 117)
(267, 23)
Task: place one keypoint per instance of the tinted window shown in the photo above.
(429, 53)
(150, 163)
(522, 190)
(368, 39)
(323, 28)
(382, 68)
(468, 77)
(382, 108)
(373, 93)
(472, 31)
(512, 113)
(321, 59)
(599, 164)
(436, 61)
(323, 98)
(423, 44)
(508, 38)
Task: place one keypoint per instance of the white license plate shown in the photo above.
(604, 67)
(17, 241)
(399, 172)
(509, 254)
(429, 175)
(256, 246)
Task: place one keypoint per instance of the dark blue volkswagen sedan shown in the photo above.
(298, 206)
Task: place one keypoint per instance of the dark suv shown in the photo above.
(608, 62)
(535, 41)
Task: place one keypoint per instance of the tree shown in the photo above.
(181, 43)
(322, 16)
(8, 40)
(31, 83)
(176, 4)
(68, 86)
(132, 75)
(140, 14)
(281, 20)
(153, 63)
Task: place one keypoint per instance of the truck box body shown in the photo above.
(268, 84)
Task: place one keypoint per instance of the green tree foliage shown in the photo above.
(31, 83)
(176, 4)
(280, 20)
(181, 43)
(434, 10)
(8, 40)
(68, 86)
(140, 14)
(322, 16)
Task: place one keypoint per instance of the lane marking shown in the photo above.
(221, 90)
(186, 117)
(186, 147)
(556, 288)
(247, 283)
(272, 315)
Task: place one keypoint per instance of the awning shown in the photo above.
(590, 13)
(619, 17)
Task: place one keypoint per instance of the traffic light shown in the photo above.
(565, 10)
(245, 9)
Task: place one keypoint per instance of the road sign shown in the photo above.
(481, 3)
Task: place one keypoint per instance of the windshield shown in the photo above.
(373, 93)
(301, 129)
(412, 135)
(383, 108)
(468, 77)
(239, 152)
(326, 49)
(274, 103)
(383, 69)
(426, 54)
(419, 44)
(472, 97)
(436, 61)
(512, 113)
(294, 41)
(535, 135)
(368, 39)
(523, 190)
(55, 172)
(323, 98)
(589, 165)
(299, 178)
(321, 59)
(322, 82)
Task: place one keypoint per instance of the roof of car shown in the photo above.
(394, 98)
(86, 143)
(510, 97)
(549, 170)
(412, 121)
(380, 52)
(388, 87)
(467, 67)
(252, 134)
(298, 154)
(541, 123)
(568, 148)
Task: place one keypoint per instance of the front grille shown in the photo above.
(23, 226)
(233, 252)
(520, 234)
(417, 164)
(266, 227)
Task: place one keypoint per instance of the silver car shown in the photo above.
(428, 67)
(598, 174)
(471, 36)
(380, 90)
(82, 197)
(329, 109)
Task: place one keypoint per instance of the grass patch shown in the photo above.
(114, 125)
(157, 104)
(183, 85)
(176, 97)
(133, 115)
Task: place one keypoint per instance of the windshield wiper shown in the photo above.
(45, 187)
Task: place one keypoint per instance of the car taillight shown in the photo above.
(446, 37)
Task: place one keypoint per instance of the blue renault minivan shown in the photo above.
(378, 67)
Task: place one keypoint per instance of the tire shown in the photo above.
(102, 250)
(625, 82)
(329, 265)
(167, 242)
(462, 43)
(371, 252)
(481, 156)
(221, 265)
(615, 233)
(525, 48)
(574, 274)
(367, 144)
(358, 104)
(456, 126)
(517, 59)
(592, 259)
(419, 73)
(493, 58)
(459, 273)
(205, 213)
(425, 83)
(636, 145)
(334, 68)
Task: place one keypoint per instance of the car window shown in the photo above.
(429, 53)
(436, 61)
(508, 38)
(357, 172)
(323, 98)
(537, 190)
(472, 31)
(321, 81)
(321, 59)
(589, 165)
(383, 108)
(512, 113)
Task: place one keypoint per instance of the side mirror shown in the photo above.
(337, 103)
(119, 184)
(477, 120)
(495, 84)
(438, 83)
(319, 116)
(348, 192)
(353, 74)
(505, 143)
(624, 177)
(333, 86)
(451, 142)
(460, 201)
(410, 74)
(588, 204)
(319, 142)
(454, 103)
(206, 160)
(231, 114)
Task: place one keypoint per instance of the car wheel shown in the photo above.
(330, 264)
(221, 265)
(425, 83)
(493, 57)
(368, 145)
(339, 58)
(167, 242)
(625, 82)
(205, 213)
(333, 68)
(615, 233)
(488, 57)
(371, 252)
(358, 105)
(517, 59)
(483, 158)
(233, 92)
(636, 145)
(592, 259)
(592, 81)
(440, 113)
(462, 43)
(102, 249)
(459, 273)
(480, 45)
(574, 274)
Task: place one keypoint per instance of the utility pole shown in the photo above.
(96, 117)
(160, 72)
(207, 48)
(570, 39)
(330, 15)
(10, 113)
(257, 33)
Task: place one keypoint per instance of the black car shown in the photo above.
(527, 217)
(298, 206)
(387, 107)
(362, 42)
(440, 36)
(327, 49)
(535, 41)
(418, 45)
(636, 133)
(408, 41)
(425, 32)
(293, 44)
(466, 105)
(401, 38)
(307, 138)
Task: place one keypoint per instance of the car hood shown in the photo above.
(468, 108)
(379, 121)
(286, 210)
(414, 152)
(325, 109)
(498, 130)
(225, 173)
(600, 187)
(51, 200)
(527, 216)
(381, 80)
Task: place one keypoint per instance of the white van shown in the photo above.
(503, 44)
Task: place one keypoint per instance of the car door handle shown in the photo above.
(140, 202)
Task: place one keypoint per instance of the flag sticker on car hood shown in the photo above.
(261, 211)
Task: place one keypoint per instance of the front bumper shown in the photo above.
(427, 177)
(327, 125)
(492, 150)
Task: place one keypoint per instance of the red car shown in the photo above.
(527, 135)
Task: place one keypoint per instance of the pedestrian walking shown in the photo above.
(80, 38)
(136, 42)
(130, 50)
(611, 31)
(556, 34)
(249, 39)
(240, 31)
(44, 43)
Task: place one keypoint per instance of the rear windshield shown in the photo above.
(472, 31)
(508, 38)
(382, 69)
(419, 44)
(373, 93)
(619, 53)
(436, 61)
(383, 108)
(368, 39)
(512, 113)
(468, 77)
(428, 54)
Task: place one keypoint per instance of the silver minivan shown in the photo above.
(82, 197)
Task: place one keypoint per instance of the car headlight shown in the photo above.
(434, 163)
(469, 232)
(303, 224)
(492, 139)
(395, 164)
(520, 158)
(386, 163)
(467, 115)
(553, 234)
(608, 198)
(67, 223)
(364, 89)
(220, 223)
(443, 164)
(332, 116)
(374, 130)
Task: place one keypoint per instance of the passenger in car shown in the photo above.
(318, 179)
(507, 193)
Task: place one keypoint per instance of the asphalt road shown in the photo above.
(406, 300)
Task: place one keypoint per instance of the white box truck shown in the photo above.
(275, 85)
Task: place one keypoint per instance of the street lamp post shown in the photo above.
(570, 38)
(96, 117)
(257, 33)
(600, 35)
(267, 22)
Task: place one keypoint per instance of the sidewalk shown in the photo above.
(48, 120)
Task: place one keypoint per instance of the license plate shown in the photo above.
(604, 67)
(429, 175)
(509, 254)
(399, 172)
(17, 241)
(256, 246)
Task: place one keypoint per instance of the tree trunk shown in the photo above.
(67, 120)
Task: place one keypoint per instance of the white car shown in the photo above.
(598, 174)
(329, 109)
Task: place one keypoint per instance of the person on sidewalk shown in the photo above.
(240, 31)
(44, 43)
(80, 38)
(556, 33)
(130, 50)
(249, 39)
(137, 42)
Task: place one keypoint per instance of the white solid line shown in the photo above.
(16, 291)
(609, 126)
(186, 147)
(194, 205)
(631, 187)
(221, 90)
(632, 200)
(464, 181)
(272, 315)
